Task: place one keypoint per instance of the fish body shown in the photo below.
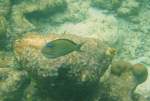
(60, 47)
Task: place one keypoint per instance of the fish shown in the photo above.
(60, 47)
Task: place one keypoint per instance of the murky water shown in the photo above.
(120, 24)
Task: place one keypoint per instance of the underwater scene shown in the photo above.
(74, 50)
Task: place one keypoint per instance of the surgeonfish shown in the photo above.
(60, 47)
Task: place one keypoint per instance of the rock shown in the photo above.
(77, 76)
(123, 85)
(3, 33)
(121, 8)
(12, 84)
(32, 9)
(74, 13)
(6, 59)
(107, 4)
(121, 82)
(128, 8)
(3, 25)
(66, 77)
(5, 7)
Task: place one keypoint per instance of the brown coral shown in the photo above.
(140, 72)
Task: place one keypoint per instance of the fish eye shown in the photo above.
(49, 45)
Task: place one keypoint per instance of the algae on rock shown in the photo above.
(126, 8)
(12, 84)
(5, 7)
(122, 81)
(3, 33)
(76, 74)
(106, 4)
(23, 10)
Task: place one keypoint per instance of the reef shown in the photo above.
(70, 77)
(121, 8)
(109, 4)
(128, 8)
(22, 11)
(12, 84)
(23, 16)
(33, 15)
(127, 79)
(5, 7)
(89, 75)
(3, 31)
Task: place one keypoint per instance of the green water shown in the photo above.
(120, 24)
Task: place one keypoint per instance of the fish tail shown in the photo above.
(79, 47)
